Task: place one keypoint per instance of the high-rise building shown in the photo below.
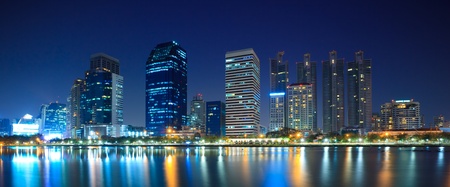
(198, 113)
(359, 92)
(306, 73)
(102, 100)
(54, 119)
(438, 121)
(300, 106)
(279, 78)
(104, 61)
(376, 122)
(74, 115)
(401, 114)
(166, 88)
(333, 94)
(243, 92)
(215, 118)
(5, 127)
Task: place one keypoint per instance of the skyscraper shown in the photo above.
(306, 73)
(74, 116)
(166, 88)
(300, 106)
(279, 78)
(102, 100)
(215, 118)
(198, 113)
(242, 92)
(333, 94)
(360, 92)
(54, 118)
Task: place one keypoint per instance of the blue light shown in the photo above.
(277, 94)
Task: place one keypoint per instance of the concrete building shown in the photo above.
(279, 78)
(400, 115)
(307, 73)
(333, 94)
(359, 92)
(198, 113)
(243, 92)
(300, 106)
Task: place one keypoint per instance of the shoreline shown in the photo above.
(234, 145)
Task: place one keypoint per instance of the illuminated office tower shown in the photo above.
(359, 92)
(198, 113)
(102, 100)
(279, 77)
(306, 73)
(166, 88)
(54, 120)
(243, 93)
(300, 106)
(333, 94)
(400, 114)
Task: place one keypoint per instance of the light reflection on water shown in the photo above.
(223, 166)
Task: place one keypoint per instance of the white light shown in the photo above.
(277, 94)
(27, 116)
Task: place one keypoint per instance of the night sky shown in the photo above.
(46, 45)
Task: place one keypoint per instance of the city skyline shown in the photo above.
(39, 67)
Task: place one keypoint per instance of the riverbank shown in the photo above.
(247, 145)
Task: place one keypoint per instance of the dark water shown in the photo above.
(228, 166)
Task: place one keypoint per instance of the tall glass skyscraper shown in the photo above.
(242, 92)
(166, 88)
(306, 73)
(102, 100)
(198, 113)
(333, 94)
(74, 115)
(54, 118)
(279, 78)
(360, 92)
(215, 118)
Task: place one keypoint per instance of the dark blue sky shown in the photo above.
(45, 45)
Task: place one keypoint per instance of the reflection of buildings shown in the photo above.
(360, 92)
(300, 106)
(198, 115)
(242, 92)
(333, 93)
(279, 78)
(26, 126)
(166, 88)
(102, 100)
(54, 119)
(401, 114)
(215, 118)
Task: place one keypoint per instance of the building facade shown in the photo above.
(215, 118)
(279, 78)
(300, 106)
(74, 114)
(166, 88)
(359, 92)
(54, 118)
(401, 114)
(5, 127)
(243, 93)
(101, 102)
(198, 113)
(333, 94)
(307, 73)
